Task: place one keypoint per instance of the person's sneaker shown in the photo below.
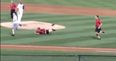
(47, 32)
(12, 34)
(99, 38)
(53, 24)
(103, 32)
(53, 30)
(20, 24)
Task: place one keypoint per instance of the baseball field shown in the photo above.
(74, 41)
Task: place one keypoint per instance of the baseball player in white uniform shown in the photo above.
(15, 23)
(20, 9)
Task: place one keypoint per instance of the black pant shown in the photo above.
(98, 30)
(11, 12)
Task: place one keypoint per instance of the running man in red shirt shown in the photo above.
(13, 7)
(98, 26)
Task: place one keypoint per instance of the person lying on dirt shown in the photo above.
(43, 31)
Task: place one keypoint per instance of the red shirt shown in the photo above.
(13, 6)
(40, 31)
(98, 22)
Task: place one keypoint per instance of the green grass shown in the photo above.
(84, 3)
(36, 58)
(44, 52)
(24, 55)
(57, 58)
(79, 31)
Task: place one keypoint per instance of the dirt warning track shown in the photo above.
(58, 48)
(69, 10)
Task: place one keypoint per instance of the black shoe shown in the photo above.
(47, 32)
(53, 24)
(53, 30)
(20, 24)
(12, 34)
(103, 32)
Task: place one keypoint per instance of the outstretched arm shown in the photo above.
(100, 26)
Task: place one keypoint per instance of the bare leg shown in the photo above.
(13, 32)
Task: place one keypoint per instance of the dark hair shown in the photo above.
(97, 16)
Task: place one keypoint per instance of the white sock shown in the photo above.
(13, 31)
(100, 31)
(98, 37)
